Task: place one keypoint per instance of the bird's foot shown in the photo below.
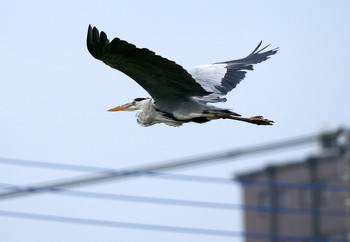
(259, 120)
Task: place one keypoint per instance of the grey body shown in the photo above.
(173, 113)
(178, 96)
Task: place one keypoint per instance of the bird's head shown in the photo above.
(134, 105)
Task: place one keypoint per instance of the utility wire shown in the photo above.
(162, 228)
(53, 165)
(294, 185)
(59, 166)
(183, 178)
(163, 166)
(185, 203)
(71, 167)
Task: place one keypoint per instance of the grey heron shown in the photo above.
(177, 96)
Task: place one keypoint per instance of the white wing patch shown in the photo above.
(209, 76)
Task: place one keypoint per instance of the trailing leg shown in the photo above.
(258, 120)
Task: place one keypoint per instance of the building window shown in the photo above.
(305, 198)
(323, 193)
(263, 202)
(264, 199)
(282, 198)
(324, 197)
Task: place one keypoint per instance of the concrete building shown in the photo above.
(306, 198)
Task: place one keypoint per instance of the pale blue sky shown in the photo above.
(54, 96)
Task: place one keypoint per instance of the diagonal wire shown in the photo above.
(181, 177)
(184, 203)
(163, 166)
(162, 228)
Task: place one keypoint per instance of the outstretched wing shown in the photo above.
(160, 77)
(222, 77)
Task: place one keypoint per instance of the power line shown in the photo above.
(186, 203)
(80, 168)
(161, 228)
(161, 166)
(53, 165)
(299, 141)
(294, 185)
(184, 178)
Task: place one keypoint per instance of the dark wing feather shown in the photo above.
(236, 68)
(160, 77)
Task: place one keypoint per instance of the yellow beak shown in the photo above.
(119, 108)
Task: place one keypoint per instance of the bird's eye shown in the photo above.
(133, 102)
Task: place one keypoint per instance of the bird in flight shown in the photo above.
(177, 96)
